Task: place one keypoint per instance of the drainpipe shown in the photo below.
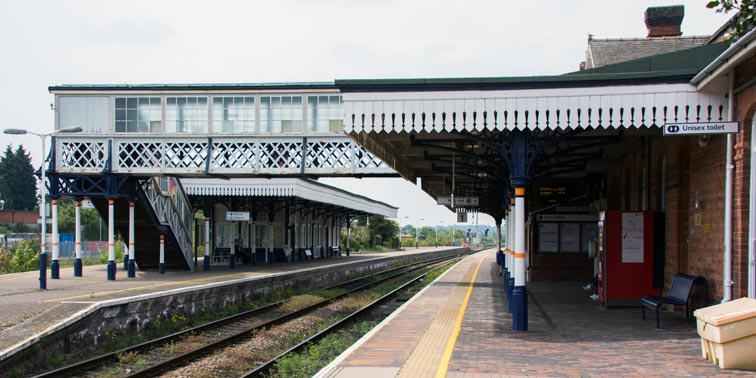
(727, 295)
(751, 216)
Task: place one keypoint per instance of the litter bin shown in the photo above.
(728, 333)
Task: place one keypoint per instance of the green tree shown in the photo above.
(90, 220)
(742, 22)
(17, 184)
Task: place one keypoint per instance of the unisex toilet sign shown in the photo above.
(699, 128)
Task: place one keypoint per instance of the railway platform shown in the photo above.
(30, 314)
(459, 327)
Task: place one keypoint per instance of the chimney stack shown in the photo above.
(664, 21)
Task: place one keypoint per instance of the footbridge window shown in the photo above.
(186, 114)
(324, 114)
(137, 114)
(281, 114)
(234, 114)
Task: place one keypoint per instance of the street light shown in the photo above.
(417, 245)
(43, 194)
(400, 230)
(442, 222)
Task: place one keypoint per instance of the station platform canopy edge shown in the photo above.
(287, 187)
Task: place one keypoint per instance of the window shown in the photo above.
(137, 114)
(186, 115)
(281, 114)
(233, 114)
(324, 114)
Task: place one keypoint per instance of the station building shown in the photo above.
(556, 160)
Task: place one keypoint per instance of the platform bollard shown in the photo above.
(132, 269)
(111, 270)
(520, 311)
(78, 267)
(510, 293)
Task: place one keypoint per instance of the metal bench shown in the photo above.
(679, 294)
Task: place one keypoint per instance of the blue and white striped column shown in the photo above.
(519, 295)
(55, 266)
(78, 266)
(111, 241)
(132, 263)
(206, 261)
(161, 267)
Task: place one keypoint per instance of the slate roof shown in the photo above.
(602, 52)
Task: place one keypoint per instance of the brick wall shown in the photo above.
(745, 105)
(693, 193)
(14, 217)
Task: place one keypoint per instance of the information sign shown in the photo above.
(698, 128)
(240, 216)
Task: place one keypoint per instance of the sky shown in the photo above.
(44, 43)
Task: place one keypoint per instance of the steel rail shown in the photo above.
(151, 344)
(265, 367)
(208, 348)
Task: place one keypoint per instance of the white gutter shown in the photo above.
(727, 295)
(736, 53)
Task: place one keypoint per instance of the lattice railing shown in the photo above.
(152, 155)
(172, 209)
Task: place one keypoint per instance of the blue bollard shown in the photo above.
(78, 268)
(55, 270)
(132, 269)
(520, 311)
(43, 271)
(111, 270)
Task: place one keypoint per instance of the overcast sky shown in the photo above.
(54, 42)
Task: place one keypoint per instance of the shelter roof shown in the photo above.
(190, 86)
(287, 187)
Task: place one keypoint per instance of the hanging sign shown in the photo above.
(461, 217)
(458, 201)
(698, 128)
(240, 216)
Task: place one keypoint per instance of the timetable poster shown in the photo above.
(632, 237)
(589, 233)
(569, 237)
(548, 237)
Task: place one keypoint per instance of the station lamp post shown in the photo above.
(43, 199)
(417, 244)
(442, 222)
(400, 230)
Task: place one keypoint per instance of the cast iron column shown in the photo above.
(111, 241)
(55, 266)
(77, 242)
(132, 265)
(519, 295)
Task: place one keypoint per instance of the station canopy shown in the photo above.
(307, 192)
(456, 131)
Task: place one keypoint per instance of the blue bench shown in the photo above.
(679, 294)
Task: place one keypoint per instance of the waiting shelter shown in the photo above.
(265, 220)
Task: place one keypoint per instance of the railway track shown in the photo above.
(221, 333)
(365, 313)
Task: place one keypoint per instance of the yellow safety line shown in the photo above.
(444, 364)
(101, 293)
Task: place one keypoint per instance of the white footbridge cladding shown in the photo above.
(229, 155)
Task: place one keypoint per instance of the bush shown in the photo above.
(25, 257)
(119, 251)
